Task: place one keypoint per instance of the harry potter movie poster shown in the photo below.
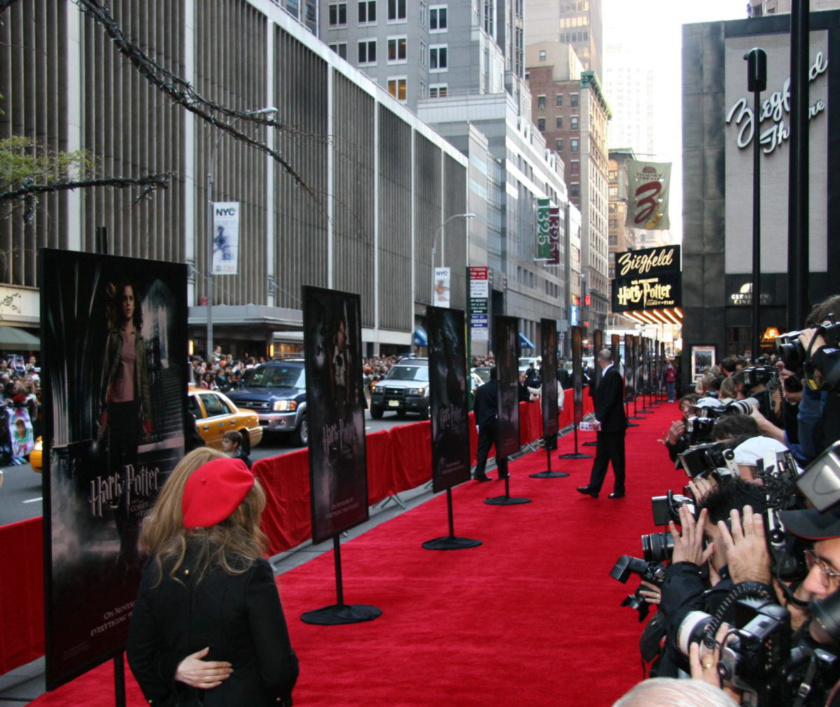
(115, 388)
(337, 461)
(448, 398)
(548, 334)
(507, 365)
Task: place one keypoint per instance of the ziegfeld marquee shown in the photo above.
(648, 285)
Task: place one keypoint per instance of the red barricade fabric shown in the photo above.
(287, 519)
(379, 467)
(21, 593)
(411, 455)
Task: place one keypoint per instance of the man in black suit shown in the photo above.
(486, 410)
(612, 426)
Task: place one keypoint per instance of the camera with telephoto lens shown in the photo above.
(757, 375)
(653, 572)
(715, 459)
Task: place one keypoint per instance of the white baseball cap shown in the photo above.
(751, 452)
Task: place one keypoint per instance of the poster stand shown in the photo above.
(450, 542)
(549, 474)
(507, 499)
(340, 613)
(577, 454)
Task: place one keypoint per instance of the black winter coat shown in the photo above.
(238, 616)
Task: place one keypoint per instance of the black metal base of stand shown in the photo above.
(550, 444)
(589, 444)
(632, 424)
(576, 455)
(635, 417)
(506, 501)
(450, 543)
(338, 614)
(548, 475)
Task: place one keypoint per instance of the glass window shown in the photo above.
(541, 102)
(438, 90)
(574, 145)
(559, 100)
(559, 122)
(541, 124)
(367, 51)
(214, 405)
(542, 55)
(559, 144)
(573, 100)
(438, 20)
(574, 191)
(575, 122)
(396, 50)
(396, 10)
(397, 87)
(367, 12)
(574, 167)
(438, 59)
(340, 48)
(338, 14)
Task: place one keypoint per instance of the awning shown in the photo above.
(14, 339)
(525, 342)
(420, 337)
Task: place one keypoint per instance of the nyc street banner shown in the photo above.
(332, 337)
(114, 380)
(225, 237)
(648, 192)
(543, 237)
(442, 291)
(554, 236)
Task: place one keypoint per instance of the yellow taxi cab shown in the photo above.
(215, 414)
(36, 456)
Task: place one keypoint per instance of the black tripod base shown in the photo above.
(506, 501)
(548, 475)
(576, 455)
(450, 542)
(338, 614)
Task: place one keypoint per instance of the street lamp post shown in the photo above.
(208, 276)
(434, 243)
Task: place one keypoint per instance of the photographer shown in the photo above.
(676, 439)
(689, 584)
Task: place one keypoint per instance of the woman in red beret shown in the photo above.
(208, 628)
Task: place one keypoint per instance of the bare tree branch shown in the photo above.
(185, 95)
(149, 183)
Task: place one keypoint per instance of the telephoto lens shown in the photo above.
(691, 630)
(658, 547)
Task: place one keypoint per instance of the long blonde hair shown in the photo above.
(232, 544)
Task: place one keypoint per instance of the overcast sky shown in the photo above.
(654, 27)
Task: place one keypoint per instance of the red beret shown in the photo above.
(214, 491)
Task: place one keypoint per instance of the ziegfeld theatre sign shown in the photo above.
(647, 279)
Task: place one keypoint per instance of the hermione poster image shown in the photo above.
(336, 409)
(115, 385)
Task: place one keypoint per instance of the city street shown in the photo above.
(21, 494)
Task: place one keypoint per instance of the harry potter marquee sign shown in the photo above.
(647, 279)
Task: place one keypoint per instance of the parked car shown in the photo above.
(216, 414)
(276, 392)
(405, 388)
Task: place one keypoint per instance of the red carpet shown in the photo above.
(530, 618)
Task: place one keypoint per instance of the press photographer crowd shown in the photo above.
(745, 575)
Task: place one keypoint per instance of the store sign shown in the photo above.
(647, 279)
(775, 108)
(479, 279)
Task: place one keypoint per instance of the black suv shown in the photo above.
(276, 391)
(405, 388)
